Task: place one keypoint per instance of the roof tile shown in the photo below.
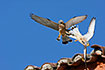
(95, 61)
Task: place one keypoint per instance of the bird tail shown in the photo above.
(66, 39)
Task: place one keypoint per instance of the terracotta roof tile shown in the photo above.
(32, 67)
(49, 66)
(95, 61)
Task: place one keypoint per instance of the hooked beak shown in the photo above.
(88, 44)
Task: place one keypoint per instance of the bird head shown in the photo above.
(84, 42)
(61, 22)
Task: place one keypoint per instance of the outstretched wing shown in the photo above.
(91, 28)
(45, 22)
(75, 20)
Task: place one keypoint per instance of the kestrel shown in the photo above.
(83, 39)
(60, 26)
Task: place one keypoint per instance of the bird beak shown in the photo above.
(88, 44)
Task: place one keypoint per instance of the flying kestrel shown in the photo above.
(83, 39)
(61, 27)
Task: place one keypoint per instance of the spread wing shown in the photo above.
(75, 20)
(45, 22)
(91, 28)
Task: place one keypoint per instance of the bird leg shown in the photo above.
(58, 38)
(85, 56)
(85, 53)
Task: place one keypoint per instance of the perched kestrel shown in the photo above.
(61, 27)
(83, 39)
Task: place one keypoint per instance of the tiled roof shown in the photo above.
(95, 61)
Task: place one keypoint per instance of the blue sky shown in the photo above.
(24, 42)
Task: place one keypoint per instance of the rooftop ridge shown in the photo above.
(95, 61)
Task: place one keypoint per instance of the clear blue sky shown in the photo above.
(24, 42)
